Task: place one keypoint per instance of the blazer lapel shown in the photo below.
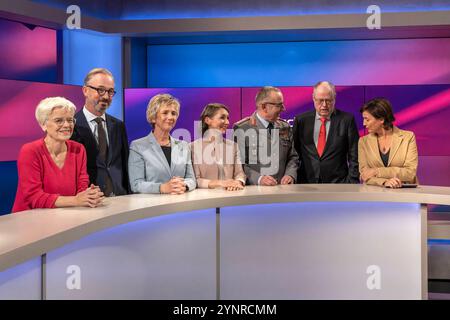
(372, 142)
(174, 152)
(178, 153)
(156, 148)
(331, 133)
(111, 128)
(259, 134)
(309, 134)
(259, 124)
(86, 132)
(397, 139)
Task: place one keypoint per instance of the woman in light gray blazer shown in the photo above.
(159, 163)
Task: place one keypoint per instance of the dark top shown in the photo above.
(167, 152)
(385, 157)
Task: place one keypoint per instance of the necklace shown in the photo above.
(164, 144)
(160, 137)
(383, 143)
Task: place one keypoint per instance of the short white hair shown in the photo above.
(45, 108)
(327, 84)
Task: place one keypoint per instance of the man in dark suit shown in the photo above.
(103, 136)
(326, 140)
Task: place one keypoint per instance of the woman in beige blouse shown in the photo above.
(216, 160)
(387, 155)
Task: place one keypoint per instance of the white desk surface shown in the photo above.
(29, 234)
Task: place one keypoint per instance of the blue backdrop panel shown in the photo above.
(356, 62)
(85, 50)
(8, 185)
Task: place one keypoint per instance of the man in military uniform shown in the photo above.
(266, 142)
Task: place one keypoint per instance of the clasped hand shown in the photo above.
(91, 197)
(176, 185)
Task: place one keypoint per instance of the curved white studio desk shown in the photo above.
(284, 242)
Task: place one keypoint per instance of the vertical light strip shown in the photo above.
(424, 249)
(44, 276)
(217, 253)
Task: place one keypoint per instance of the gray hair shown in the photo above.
(95, 71)
(264, 92)
(328, 84)
(45, 108)
(157, 102)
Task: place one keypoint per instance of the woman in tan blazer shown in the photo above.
(387, 155)
(216, 160)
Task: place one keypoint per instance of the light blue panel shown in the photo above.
(361, 62)
(167, 257)
(21, 282)
(320, 250)
(85, 50)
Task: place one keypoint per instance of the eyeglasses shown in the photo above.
(327, 101)
(60, 121)
(102, 91)
(279, 105)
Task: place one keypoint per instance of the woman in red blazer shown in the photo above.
(52, 170)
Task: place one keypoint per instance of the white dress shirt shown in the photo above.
(90, 117)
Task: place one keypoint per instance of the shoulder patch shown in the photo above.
(240, 122)
(283, 122)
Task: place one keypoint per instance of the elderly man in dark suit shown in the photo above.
(326, 140)
(103, 136)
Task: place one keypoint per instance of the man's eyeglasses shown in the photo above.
(60, 121)
(279, 105)
(102, 91)
(327, 101)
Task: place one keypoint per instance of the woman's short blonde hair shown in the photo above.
(157, 102)
(45, 108)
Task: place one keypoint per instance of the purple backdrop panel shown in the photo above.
(18, 101)
(27, 53)
(425, 110)
(192, 101)
(299, 100)
(434, 170)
